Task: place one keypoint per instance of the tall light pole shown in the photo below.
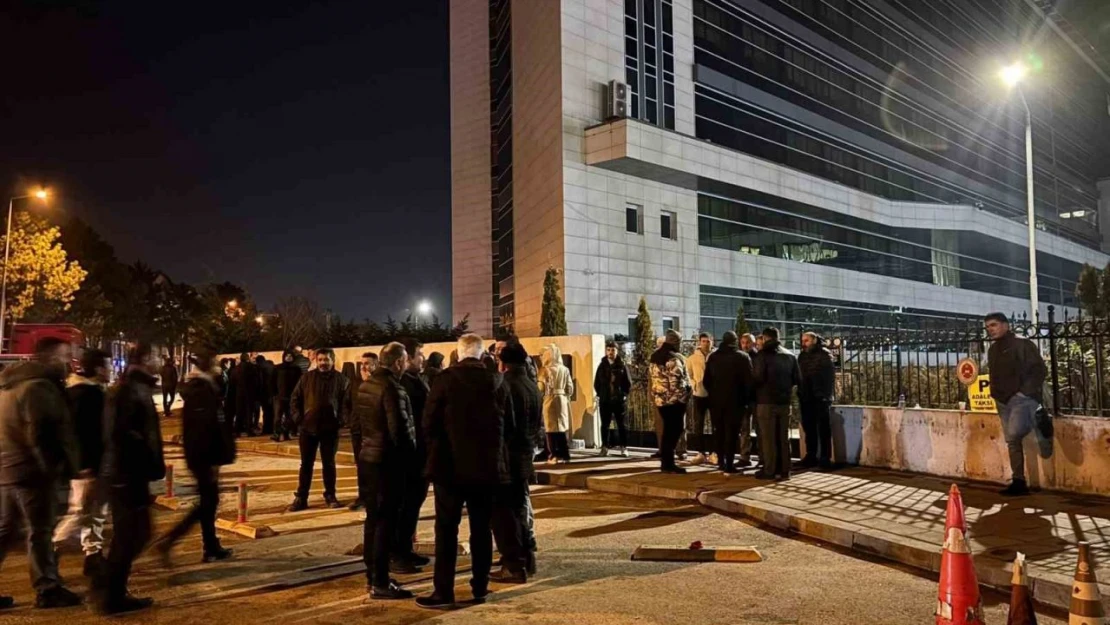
(1012, 75)
(423, 307)
(42, 195)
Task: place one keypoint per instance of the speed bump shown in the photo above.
(667, 553)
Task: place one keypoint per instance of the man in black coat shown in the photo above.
(815, 397)
(366, 368)
(467, 421)
(265, 370)
(388, 446)
(612, 384)
(243, 395)
(132, 459)
(728, 380)
(748, 346)
(206, 449)
(416, 485)
(320, 404)
(168, 381)
(776, 373)
(286, 376)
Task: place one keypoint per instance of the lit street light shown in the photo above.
(423, 307)
(1011, 76)
(42, 195)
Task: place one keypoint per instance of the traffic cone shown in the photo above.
(958, 600)
(1021, 600)
(1086, 604)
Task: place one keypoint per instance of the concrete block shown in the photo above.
(246, 530)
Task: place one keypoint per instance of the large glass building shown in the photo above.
(827, 164)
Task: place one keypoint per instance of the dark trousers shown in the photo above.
(168, 395)
(283, 418)
(328, 444)
(732, 428)
(817, 425)
(246, 416)
(131, 526)
(479, 507)
(208, 487)
(557, 443)
(510, 524)
(700, 440)
(383, 494)
(614, 411)
(267, 416)
(31, 509)
(672, 416)
(360, 470)
(416, 492)
(774, 438)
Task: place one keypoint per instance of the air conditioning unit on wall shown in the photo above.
(617, 102)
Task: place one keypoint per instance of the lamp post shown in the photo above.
(1012, 75)
(424, 307)
(40, 194)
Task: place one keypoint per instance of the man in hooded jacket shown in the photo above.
(285, 378)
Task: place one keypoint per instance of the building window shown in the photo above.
(668, 225)
(670, 323)
(632, 328)
(634, 218)
(649, 60)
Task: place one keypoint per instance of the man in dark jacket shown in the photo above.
(320, 404)
(87, 499)
(512, 526)
(467, 422)
(265, 370)
(206, 449)
(728, 381)
(286, 376)
(168, 381)
(748, 346)
(416, 485)
(776, 373)
(132, 459)
(1017, 375)
(612, 383)
(367, 365)
(300, 359)
(815, 396)
(37, 456)
(243, 395)
(385, 458)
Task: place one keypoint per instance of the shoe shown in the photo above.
(655, 456)
(435, 602)
(57, 597)
(94, 564)
(1017, 488)
(418, 560)
(674, 470)
(681, 455)
(623, 453)
(507, 576)
(807, 463)
(215, 555)
(298, 504)
(479, 596)
(275, 438)
(825, 467)
(730, 470)
(391, 592)
(530, 563)
(743, 463)
(356, 506)
(6, 602)
(402, 567)
(126, 603)
(782, 478)
(331, 502)
(763, 475)
(604, 452)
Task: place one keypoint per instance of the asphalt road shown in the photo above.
(586, 577)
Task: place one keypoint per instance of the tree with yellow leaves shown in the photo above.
(38, 268)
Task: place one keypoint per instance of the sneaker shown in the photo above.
(1017, 488)
(623, 453)
(215, 555)
(507, 576)
(674, 470)
(699, 458)
(356, 506)
(57, 597)
(94, 564)
(331, 502)
(743, 463)
(298, 504)
(681, 455)
(126, 603)
(604, 452)
(389, 593)
(436, 602)
(6, 602)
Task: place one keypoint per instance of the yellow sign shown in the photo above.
(980, 395)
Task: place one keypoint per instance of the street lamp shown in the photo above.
(423, 307)
(42, 195)
(1011, 76)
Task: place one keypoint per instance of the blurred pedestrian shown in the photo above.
(612, 384)
(728, 380)
(368, 363)
(776, 373)
(37, 456)
(320, 404)
(699, 405)
(670, 391)
(815, 397)
(286, 376)
(557, 388)
(168, 382)
(416, 485)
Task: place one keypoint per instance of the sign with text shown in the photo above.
(979, 394)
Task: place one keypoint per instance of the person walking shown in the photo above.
(1017, 375)
(776, 373)
(670, 391)
(37, 455)
(206, 450)
(286, 376)
(416, 485)
(87, 498)
(368, 363)
(728, 380)
(320, 404)
(557, 387)
(265, 370)
(695, 366)
(612, 384)
(815, 397)
(168, 382)
(132, 460)
(385, 457)
(467, 423)
(243, 395)
(512, 524)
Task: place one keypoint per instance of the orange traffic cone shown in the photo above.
(1021, 600)
(958, 600)
(1086, 604)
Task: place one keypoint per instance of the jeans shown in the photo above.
(33, 506)
(614, 411)
(479, 507)
(774, 421)
(85, 519)
(384, 495)
(817, 426)
(672, 416)
(168, 395)
(1018, 418)
(208, 487)
(699, 439)
(510, 520)
(328, 444)
(131, 527)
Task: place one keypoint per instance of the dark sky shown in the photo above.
(292, 147)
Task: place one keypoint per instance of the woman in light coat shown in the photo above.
(557, 387)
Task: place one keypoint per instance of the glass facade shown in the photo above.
(501, 160)
(649, 60)
(756, 223)
(883, 110)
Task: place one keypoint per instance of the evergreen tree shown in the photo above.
(1104, 292)
(1088, 290)
(645, 336)
(553, 319)
(742, 327)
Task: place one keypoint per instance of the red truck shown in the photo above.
(23, 336)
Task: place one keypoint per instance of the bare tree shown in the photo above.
(302, 320)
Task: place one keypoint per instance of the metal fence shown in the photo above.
(919, 366)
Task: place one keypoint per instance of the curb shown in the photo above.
(245, 529)
(266, 447)
(652, 553)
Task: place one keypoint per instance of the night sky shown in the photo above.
(291, 147)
